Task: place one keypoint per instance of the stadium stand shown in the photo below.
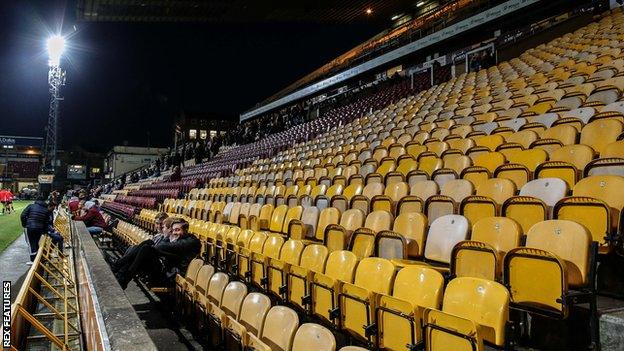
(440, 218)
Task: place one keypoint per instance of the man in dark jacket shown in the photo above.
(164, 260)
(35, 219)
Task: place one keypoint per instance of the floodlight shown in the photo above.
(420, 3)
(56, 46)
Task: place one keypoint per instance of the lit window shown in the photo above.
(192, 134)
(203, 134)
(213, 133)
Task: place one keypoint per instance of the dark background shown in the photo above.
(128, 80)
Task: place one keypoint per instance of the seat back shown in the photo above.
(480, 300)
(413, 227)
(568, 240)
(498, 189)
(424, 189)
(549, 190)
(232, 299)
(598, 134)
(415, 288)
(327, 216)
(277, 218)
(218, 281)
(311, 336)
(253, 312)
(444, 233)
(279, 328)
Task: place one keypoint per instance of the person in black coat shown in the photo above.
(35, 219)
(163, 261)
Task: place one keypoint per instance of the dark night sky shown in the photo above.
(128, 79)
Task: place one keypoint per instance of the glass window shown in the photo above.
(192, 134)
(203, 134)
(213, 133)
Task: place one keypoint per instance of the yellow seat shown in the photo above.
(598, 134)
(299, 276)
(278, 331)
(324, 287)
(566, 163)
(362, 242)
(474, 310)
(557, 260)
(481, 257)
(336, 237)
(451, 195)
(259, 260)
(490, 195)
(357, 300)
(596, 204)
(277, 269)
(312, 336)
(250, 321)
(399, 315)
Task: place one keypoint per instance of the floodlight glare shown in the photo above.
(56, 46)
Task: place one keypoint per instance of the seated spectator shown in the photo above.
(163, 226)
(163, 261)
(92, 218)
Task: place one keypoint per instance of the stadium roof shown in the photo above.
(238, 11)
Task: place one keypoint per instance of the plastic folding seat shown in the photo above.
(474, 311)
(309, 199)
(337, 236)
(600, 133)
(490, 195)
(521, 166)
(597, 205)
(362, 202)
(222, 300)
(357, 300)
(524, 138)
(614, 149)
(277, 269)
(482, 256)
(605, 166)
(555, 137)
(559, 258)
(342, 202)
(484, 166)
(259, 260)
(428, 164)
(536, 200)
(264, 218)
(399, 316)
(406, 240)
(452, 193)
(299, 276)
(251, 319)
(185, 283)
(444, 233)
(324, 287)
(277, 219)
(489, 141)
(454, 164)
(392, 194)
(312, 336)
(362, 241)
(304, 228)
(565, 163)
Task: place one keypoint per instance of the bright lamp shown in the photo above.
(56, 46)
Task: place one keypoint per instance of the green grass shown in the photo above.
(10, 225)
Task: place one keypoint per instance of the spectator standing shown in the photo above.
(36, 220)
